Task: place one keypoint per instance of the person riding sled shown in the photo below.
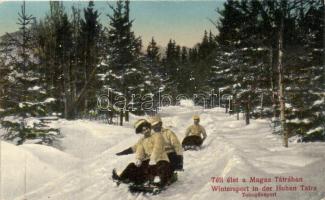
(151, 159)
(173, 146)
(194, 135)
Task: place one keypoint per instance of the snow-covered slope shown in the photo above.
(231, 150)
(28, 167)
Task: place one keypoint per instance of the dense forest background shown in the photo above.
(268, 57)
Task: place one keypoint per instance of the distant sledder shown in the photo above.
(151, 171)
(193, 139)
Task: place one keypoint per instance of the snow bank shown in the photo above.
(87, 139)
(27, 167)
(21, 171)
(57, 159)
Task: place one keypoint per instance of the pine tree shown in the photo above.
(153, 52)
(204, 46)
(26, 95)
(171, 64)
(248, 70)
(153, 64)
(123, 72)
(305, 99)
(61, 43)
(90, 53)
(46, 38)
(184, 55)
(185, 86)
(270, 47)
(201, 68)
(229, 25)
(226, 71)
(5, 70)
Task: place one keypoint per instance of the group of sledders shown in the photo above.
(158, 155)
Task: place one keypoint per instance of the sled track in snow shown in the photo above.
(231, 149)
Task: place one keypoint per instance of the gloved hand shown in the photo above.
(152, 162)
(125, 152)
(138, 163)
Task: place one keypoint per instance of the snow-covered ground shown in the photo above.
(81, 169)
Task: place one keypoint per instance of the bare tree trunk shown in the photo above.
(67, 98)
(247, 111)
(85, 82)
(73, 111)
(121, 117)
(126, 115)
(74, 92)
(274, 103)
(281, 86)
(230, 106)
(83, 91)
(237, 109)
(262, 99)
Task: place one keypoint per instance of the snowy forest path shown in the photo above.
(231, 149)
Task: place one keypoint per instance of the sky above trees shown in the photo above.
(182, 21)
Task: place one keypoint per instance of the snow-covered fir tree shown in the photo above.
(90, 54)
(252, 49)
(306, 78)
(26, 99)
(152, 62)
(123, 74)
